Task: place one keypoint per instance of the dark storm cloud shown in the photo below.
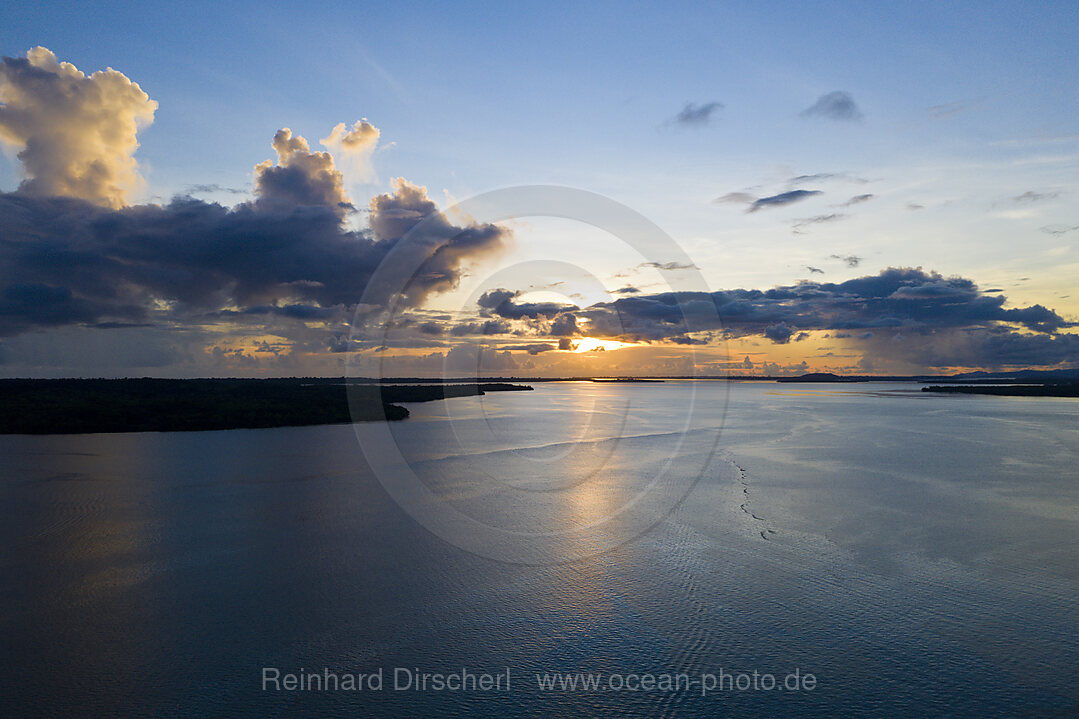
(779, 333)
(784, 198)
(73, 252)
(837, 105)
(501, 302)
(300, 178)
(898, 298)
(532, 349)
(67, 261)
(995, 348)
(694, 114)
(686, 340)
(565, 326)
(299, 312)
(490, 327)
(431, 328)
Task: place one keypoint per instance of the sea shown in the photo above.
(666, 549)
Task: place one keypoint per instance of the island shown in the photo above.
(81, 406)
(1054, 389)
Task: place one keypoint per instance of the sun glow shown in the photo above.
(588, 344)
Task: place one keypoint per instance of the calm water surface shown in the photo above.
(918, 554)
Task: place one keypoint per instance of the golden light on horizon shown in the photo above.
(590, 344)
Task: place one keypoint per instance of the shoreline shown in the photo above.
(91, 406)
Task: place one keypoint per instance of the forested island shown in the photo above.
(1055, 389)
(79, 406)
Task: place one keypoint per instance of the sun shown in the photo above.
(589, 344)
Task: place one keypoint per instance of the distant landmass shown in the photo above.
(830, 377)
(1023, 383)
(1055, 389)
(80, 406)
(1027, 376)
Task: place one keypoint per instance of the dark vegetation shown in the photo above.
(76, 406)
(1017, 377)
(1053, 389)
(829, 377)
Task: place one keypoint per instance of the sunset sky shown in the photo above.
(857, 188)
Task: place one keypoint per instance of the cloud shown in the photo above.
(736, 198)
(488, 327)
(797, 225)
(75, 135)
(825, 176)
(1058, 229)
(815, 177)
(906, 299)
(850, 260)
(353, 147)
(532, 349)
(814, 270)
(363, 136)
(779, 200)
(501, 302)
(669, 265)
(212, 189)
(471, 359)
(285, 257)
(778, 333)
(565, 326)
(1031, 196)
(837, 105)
(448, 246)
(697, 115)
(431, 328)
(784, 198)
(938, 112)
(993, 348)
(858, 199)
(300, 178)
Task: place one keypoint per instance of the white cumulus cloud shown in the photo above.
(75, 135)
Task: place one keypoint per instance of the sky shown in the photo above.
(219, 189)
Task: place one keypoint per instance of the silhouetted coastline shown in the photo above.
(1059, 389)
(81, 406)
